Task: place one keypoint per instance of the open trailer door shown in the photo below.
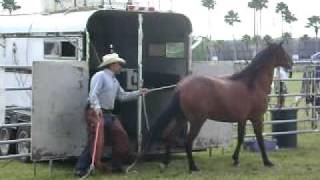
(60, 90)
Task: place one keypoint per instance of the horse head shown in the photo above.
(280, 56)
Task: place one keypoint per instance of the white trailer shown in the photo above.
(55, 55)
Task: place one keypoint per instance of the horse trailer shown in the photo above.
(47, 62)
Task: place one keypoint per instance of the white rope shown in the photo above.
(162, 88)
(145, 114)
(144, 109)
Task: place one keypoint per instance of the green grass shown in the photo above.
(299, 163)
(302, 162)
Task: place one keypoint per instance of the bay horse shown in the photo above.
(235, 98)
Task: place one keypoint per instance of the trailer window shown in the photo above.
(175, 50)
(167, 50)
(60, 50)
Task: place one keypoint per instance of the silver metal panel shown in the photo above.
(37, 23)
(59, 96)
(2, 97)
(213, 133)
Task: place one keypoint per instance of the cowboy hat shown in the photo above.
(111, 58)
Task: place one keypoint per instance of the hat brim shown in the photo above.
(111, 61)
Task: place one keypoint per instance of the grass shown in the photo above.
(302, 162)
(299, 163)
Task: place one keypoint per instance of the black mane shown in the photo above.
(251, 72)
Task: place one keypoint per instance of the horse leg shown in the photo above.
(257, 127)
(193, 132)
(170, 134)
(241, 133)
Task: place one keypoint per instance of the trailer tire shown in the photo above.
(6, 134)
(23, 147)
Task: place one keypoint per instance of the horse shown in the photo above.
(235, 98)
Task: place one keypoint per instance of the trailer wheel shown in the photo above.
(6, 134)
(23, 147)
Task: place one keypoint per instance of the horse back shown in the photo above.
(217, 98)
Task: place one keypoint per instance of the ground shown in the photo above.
(302, 162)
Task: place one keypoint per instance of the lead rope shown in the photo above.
(91, 168)
(145, 114)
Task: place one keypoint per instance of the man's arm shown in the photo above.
(127, 96)
(95, 90)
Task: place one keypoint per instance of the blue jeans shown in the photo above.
(84, 160)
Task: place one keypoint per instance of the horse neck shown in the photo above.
(265, 78)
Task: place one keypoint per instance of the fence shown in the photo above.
(15, 130)
(302, 98)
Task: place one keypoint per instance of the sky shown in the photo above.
(218, 29)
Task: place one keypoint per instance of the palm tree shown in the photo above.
(246, 39)
(286, 37)
(260, 5)
(231, 18)
(314, 22)
(218, 46)
(10, 5)
(209, 4)
(257, 5)
(282, 8)
(254, 4)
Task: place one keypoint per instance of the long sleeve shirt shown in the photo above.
(105, 89)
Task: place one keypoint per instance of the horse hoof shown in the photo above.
(268, 164)
(194, 169)
(236, 164)
(163, 167)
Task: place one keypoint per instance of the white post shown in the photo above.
(189, 63)
(87, 47)
(140, 82)
(2, 97)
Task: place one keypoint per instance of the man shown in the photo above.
(104, 90)
(280, 86)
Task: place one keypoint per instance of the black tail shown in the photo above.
(172, 110)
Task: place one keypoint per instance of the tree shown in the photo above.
(256, 39)
(254, 4)
(218, 45)
(287, 37)
(247, 40)
(305, 37)
(267, 39)
(314, 22)
(260, 5)
(10, 5)
(257, 5)
(286, 15)
(231, 18)
(209, 4)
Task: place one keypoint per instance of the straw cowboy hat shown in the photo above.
(111, 58)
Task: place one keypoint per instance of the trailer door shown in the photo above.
(59, 94)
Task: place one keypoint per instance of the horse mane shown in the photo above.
(250, 73)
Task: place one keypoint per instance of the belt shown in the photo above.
(107, 111)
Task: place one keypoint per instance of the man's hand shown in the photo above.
(144, 91)
(98, 112)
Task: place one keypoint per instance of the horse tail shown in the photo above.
(173, 109)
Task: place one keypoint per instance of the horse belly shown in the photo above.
(229, 115)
